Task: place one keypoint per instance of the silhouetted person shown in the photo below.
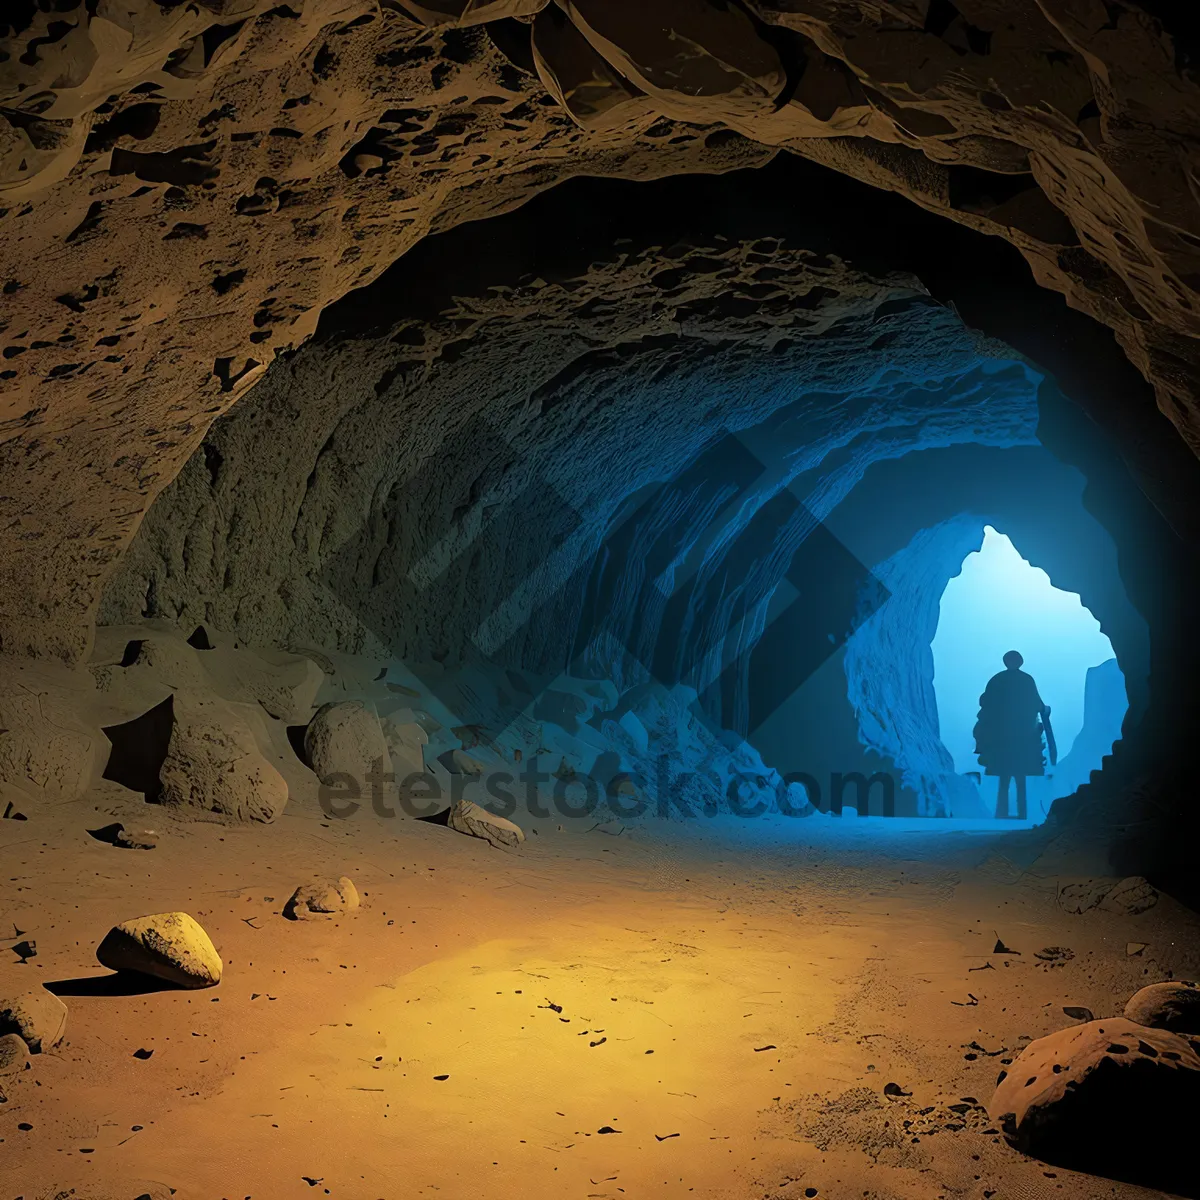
(1008, 733)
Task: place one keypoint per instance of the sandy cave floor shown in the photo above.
(732, 1007)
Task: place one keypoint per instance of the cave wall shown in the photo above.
(449, 486)
(184, 189)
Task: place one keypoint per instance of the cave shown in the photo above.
(614, 579)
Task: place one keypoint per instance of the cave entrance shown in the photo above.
(999, 602)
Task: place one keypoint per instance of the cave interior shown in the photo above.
(507, 510)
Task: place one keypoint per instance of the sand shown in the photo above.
(713, 1010)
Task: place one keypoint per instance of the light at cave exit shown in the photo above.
(998, 603)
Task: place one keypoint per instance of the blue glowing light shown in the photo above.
(998, 603)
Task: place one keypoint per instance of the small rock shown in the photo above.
(135, 839)
(1130, 897)
(14, 1054)
(39, 1017)
(469, 818)
(321, 897)
(168, 946)
(1133, 949)
(1055, 954)
(1174, 1006)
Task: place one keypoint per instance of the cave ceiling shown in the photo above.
(184, 188)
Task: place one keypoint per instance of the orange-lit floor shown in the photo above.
(613, 1016)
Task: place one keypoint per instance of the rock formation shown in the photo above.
(185, 188)
(346, 739)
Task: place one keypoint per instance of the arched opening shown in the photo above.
(997, 602)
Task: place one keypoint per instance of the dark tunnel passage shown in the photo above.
(620, 452)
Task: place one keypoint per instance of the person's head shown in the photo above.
(1012, 660)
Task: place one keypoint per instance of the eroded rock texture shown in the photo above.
(435, 488)
(185, 187)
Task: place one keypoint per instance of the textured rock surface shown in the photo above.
(346, 739)
(1131, 896)
(213, 764)
(405, 740)
(307, 530)
(321, 897)
(184, 188)
(138, 838)
(158, 252)
(1173, 1006)
(168, 946)
(46, 750)
(14, 1054)
(1097, 1097)
(467, 817)
(38, 1017)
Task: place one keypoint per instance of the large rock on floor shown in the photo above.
(168, 946)
(38, 1017)
(346, 739)
(1174, 1006)
(1104, 1097)
(192, 753)
(213, 763)
(320, 898)
(467, 817)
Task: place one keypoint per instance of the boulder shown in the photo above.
(195, 754)
(1100, 1098)
(38, 1017)
(213, 763)
(14, 1054)
(168, 946)
(467, 817)
(346, 739)
(1174, 1006)
(321, 897)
